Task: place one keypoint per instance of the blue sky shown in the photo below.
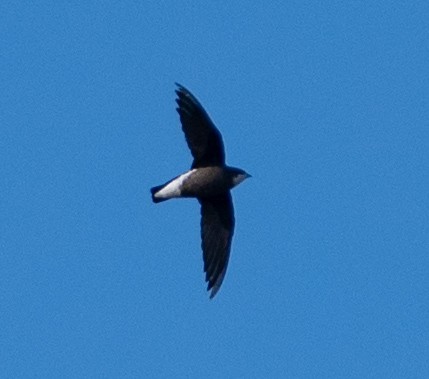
(324, 103)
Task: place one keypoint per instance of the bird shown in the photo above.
(210, 181)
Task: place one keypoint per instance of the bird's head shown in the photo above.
(238, 175)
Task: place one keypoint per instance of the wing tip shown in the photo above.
(214, 290)
(214, 287)
(183, 93)
(181, 88)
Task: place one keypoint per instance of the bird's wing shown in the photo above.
(202, 136)
(217, 228)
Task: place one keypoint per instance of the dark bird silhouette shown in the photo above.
(210, 181)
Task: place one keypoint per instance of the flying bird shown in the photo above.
(209, 181)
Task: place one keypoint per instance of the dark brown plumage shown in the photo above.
(210, 181)
(202, 136)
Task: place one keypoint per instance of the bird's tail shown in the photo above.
(153, 191)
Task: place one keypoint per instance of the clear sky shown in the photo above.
(325, 103)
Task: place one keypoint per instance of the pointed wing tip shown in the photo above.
(214, 286)
(180, 88)
(183, 91)
(214, 291)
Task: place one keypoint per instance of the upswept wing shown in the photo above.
(203, 138)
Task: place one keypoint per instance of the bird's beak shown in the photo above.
(248, 176)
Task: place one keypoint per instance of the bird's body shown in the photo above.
(198, 182)
(210, 181)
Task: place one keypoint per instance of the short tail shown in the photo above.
(153, 191)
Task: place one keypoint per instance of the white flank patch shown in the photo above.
(172, 189)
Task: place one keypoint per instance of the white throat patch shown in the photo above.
(236, 180)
